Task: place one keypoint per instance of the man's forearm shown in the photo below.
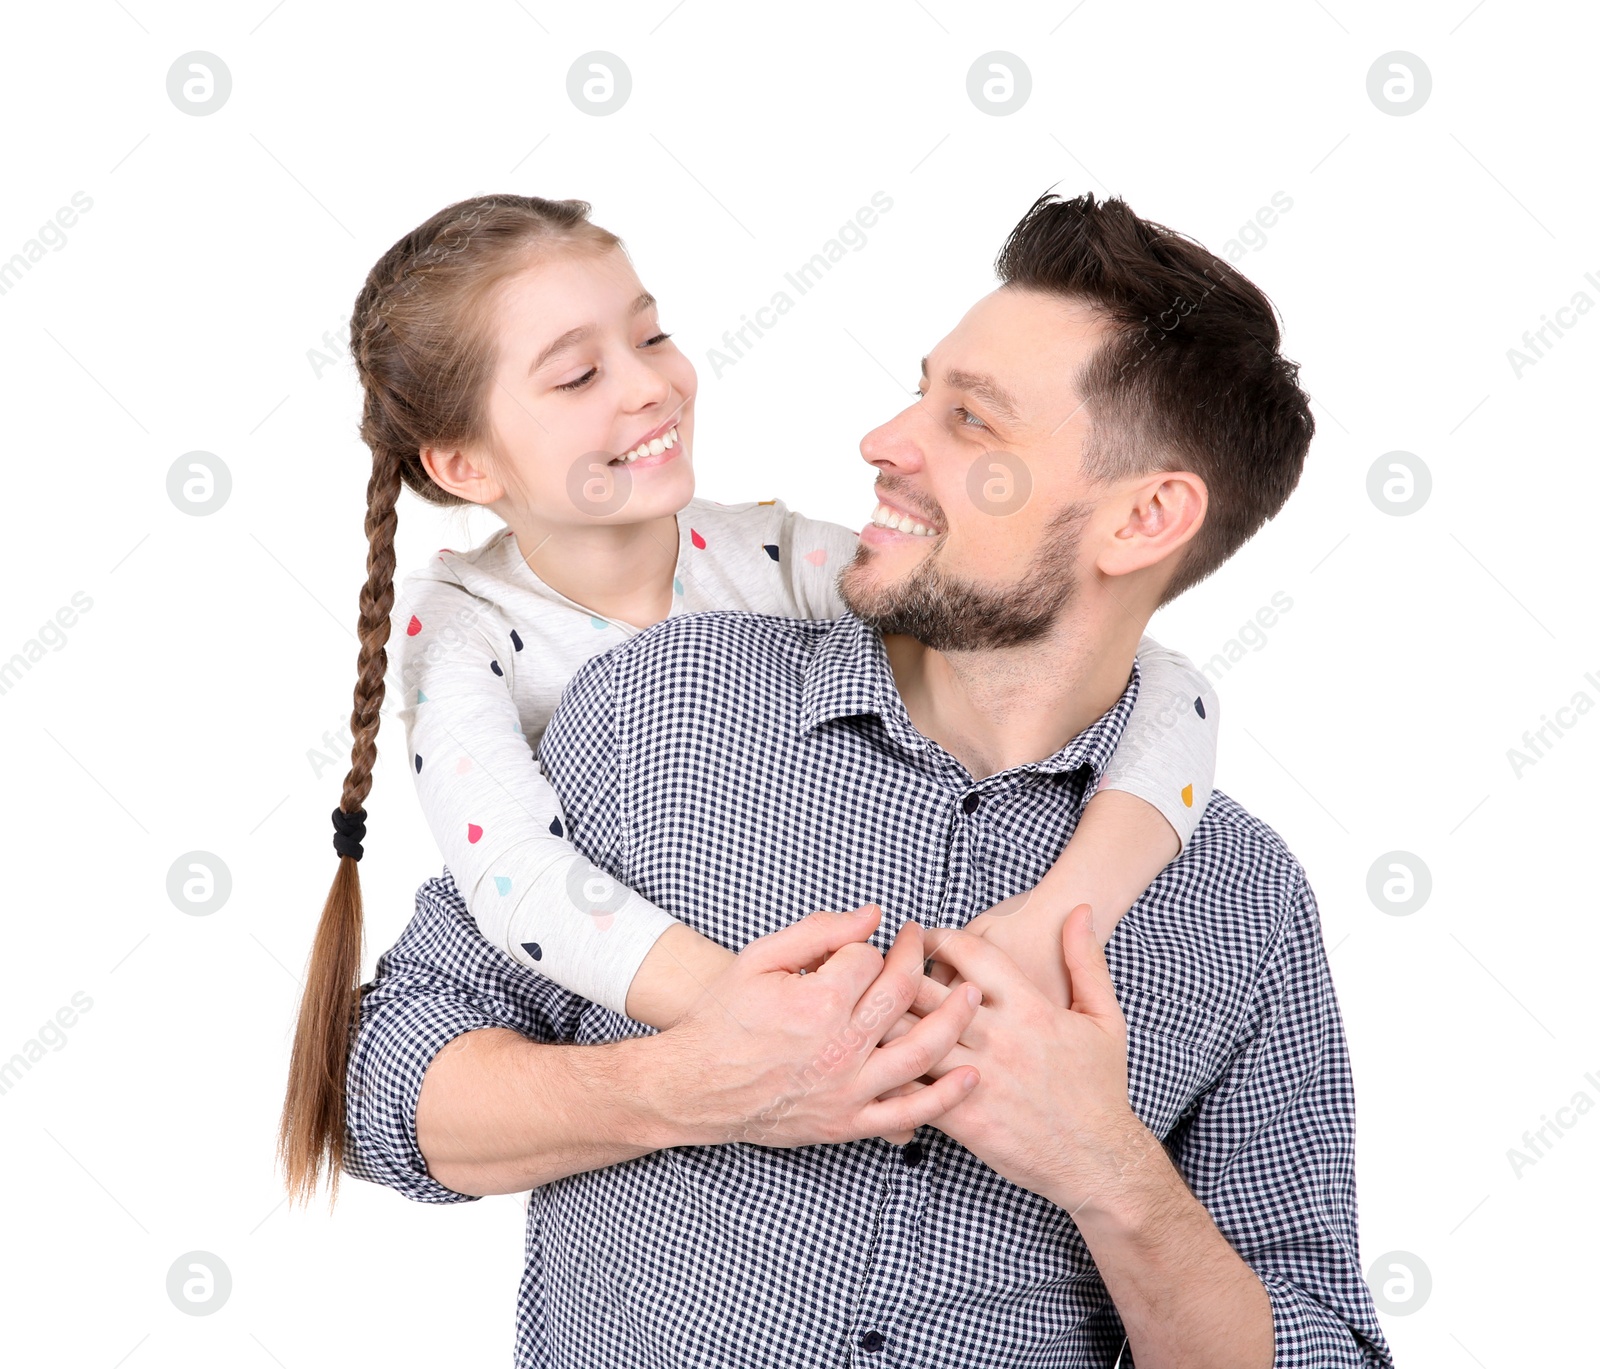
(1184, 1295)
(499, 1113)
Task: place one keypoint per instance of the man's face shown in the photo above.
(988, 461)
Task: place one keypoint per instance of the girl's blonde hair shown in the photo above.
(424, 347)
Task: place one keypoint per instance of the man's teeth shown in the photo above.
(885, 517)
(654, 447)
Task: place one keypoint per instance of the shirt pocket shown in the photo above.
(1176, 1051)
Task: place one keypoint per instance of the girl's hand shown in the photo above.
(1028, 929)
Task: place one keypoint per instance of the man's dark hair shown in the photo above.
(1190, 377)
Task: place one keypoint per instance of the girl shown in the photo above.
(510, 358)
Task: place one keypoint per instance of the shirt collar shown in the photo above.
(849, 674)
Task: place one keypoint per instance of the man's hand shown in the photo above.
(775, 1057)
(1052, 1115)
(1052, 1112)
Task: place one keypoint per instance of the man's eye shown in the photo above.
(966, 414)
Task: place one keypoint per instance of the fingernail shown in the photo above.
(971, 1080)
(974, 995)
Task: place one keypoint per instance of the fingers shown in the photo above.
(931, 993)
(851, 969)
(925, 1103)
(899, 1027)
(900, 1138)
(810, 941)
(958, 1057)
(890, 988)
(856, 965)
(982, 963)
(1088, 975)
(915, 1053)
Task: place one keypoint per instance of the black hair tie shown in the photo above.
(349, 831)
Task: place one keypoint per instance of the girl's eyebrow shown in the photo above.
(573, 336)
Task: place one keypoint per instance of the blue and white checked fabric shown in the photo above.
(742, 770)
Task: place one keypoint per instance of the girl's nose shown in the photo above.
(647, 386)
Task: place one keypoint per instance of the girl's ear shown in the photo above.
(456, 471)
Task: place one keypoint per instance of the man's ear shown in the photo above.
(1163, 511)
(456, 471)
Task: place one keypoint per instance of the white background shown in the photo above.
(180, 710)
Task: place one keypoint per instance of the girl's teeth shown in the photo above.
(654, 447)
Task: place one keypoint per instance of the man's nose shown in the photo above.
(896, 443)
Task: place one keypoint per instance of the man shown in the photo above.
(1169, 1160)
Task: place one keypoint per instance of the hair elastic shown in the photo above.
(349, 831)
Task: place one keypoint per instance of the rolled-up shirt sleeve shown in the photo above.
(439, 980)
(1270, 1152)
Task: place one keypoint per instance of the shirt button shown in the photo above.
(911, 1153)
(872, 1341)
(971, 802)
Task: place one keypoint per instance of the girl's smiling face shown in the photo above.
(584, 374)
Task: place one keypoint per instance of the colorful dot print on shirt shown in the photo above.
(470, 805)
(1187, 794)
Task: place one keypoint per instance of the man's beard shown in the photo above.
(946, 613)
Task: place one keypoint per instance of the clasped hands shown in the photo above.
(1029, 1076)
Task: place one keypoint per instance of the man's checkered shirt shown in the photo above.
(742, 770)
